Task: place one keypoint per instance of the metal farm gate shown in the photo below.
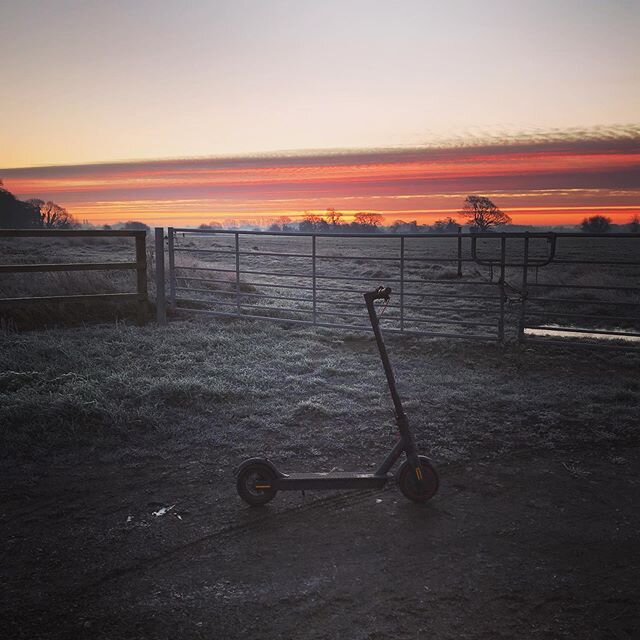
(492, 286)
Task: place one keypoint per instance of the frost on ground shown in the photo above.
(299, 395)
(121, 519)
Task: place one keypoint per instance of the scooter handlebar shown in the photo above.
(381, 293)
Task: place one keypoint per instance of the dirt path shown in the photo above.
(535, 546)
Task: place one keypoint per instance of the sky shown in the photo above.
(186, 112)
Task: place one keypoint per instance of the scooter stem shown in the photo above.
(408, 443)
(370, 297)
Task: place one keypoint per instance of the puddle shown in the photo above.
(575, 332)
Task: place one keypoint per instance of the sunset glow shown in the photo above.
(402, 109)
(554, 182)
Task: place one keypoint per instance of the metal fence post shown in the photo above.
(237, 272)
(313, 279)
(401, 283)
(141, 270)
(172, 268)
(161, 302)
(525, 276)
(459, 252)
(503, 252)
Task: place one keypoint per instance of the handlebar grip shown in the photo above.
(381, 293)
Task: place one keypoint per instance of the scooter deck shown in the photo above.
(333, 480)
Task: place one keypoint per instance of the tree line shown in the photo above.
(32, 214)
(39, 214)
(479, 213)
(604, 224)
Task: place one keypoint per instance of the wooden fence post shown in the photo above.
(501, 285)
(172, 268)
(161, 301)
(141, 270)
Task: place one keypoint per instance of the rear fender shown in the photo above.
(264, 461)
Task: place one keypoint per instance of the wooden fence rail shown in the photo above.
(139, 265)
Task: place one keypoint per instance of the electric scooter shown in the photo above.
(258, 480)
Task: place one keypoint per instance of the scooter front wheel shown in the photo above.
(256, 484)
(410, 486)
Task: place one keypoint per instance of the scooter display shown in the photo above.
(258, 480)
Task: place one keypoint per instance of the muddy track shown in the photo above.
(314, 508)
(531, 546)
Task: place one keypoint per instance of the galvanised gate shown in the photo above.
(492, 286)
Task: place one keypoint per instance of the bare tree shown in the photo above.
(368, 219)
(135, 225)
(448, 225)
(312, 217)
(596, 224)
(281, 223)
(396, 226)
(332, 217)
(210, 225)
(482, 214)
(311, 222)
(284, 222)
(400, 226)
(634, 224)
(53, 216)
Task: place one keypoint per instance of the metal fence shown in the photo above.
(493, 286)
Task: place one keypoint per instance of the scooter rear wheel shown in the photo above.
(410, 486)
(256, 484)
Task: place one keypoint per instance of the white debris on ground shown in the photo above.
(163, 511)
